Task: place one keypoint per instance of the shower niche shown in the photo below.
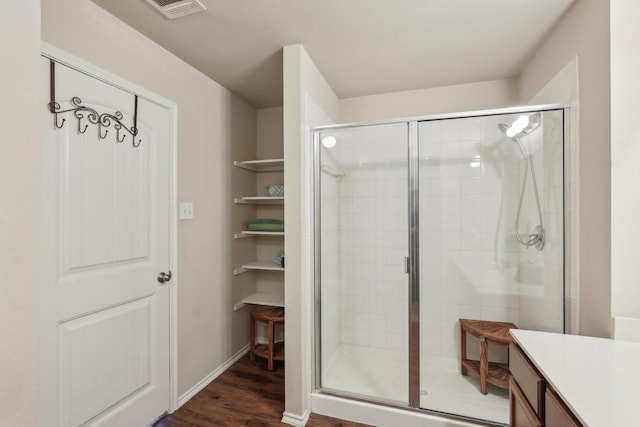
(422, 223)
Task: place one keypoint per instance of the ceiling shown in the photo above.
(362, 47)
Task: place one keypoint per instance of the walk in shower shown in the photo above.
(421, 223)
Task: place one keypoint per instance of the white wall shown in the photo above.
(421, 102)
(584, 32)
(210, 121)
(308, 102)
(625, 173)
(20, 206)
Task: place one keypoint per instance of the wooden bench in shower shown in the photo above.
(486, 331)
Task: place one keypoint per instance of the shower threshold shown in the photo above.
(371, 372)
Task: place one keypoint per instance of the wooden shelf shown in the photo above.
(259, 200)
(245, 233)
(258, 265)
(269, 165)
(272, 299)
(498, 373)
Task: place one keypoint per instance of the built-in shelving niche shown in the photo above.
(273, 299)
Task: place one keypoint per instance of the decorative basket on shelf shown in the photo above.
(274, 190)
(280, 259)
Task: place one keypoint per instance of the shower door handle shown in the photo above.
(407, 265)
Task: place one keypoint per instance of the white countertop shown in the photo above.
(599, 379)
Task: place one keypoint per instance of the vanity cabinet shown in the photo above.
(521, 412)
(532, 400)
(557, 414)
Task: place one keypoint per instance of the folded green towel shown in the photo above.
(266, 221)
(266, 227)
(266, 224)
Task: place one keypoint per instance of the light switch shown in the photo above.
(186, 210)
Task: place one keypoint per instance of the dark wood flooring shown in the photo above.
(244, 395)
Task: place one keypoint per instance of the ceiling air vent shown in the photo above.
(173, 9)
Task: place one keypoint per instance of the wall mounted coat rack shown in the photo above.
(104, 120)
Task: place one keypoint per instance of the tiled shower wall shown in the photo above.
(470, 263)
(541, 272)
(330, 255)
(373, 236)
(563, 88)
(468, 180)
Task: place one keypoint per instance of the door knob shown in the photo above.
(164, 277)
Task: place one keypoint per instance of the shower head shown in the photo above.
(534, 123)
(524, 125)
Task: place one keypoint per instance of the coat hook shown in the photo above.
(103, 120)
(134, 132)
(80, 126)
(118, 136)
(55, 122)
(100, 132)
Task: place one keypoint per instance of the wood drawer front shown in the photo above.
(530, 381)
(556, 412)
(521, 414)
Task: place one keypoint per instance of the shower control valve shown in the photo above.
(536, 238)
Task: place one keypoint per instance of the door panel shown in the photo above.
(364, 244)
(105, 356)
(100, 203)
(105, 238)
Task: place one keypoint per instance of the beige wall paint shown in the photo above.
(292, 110)
(211, 121)
(270, 133)
(584, 31)
(269, 145)
(20, 213)
(625, 152)
(437, 100)
(302, 81)
(242, 183)
(242, 142)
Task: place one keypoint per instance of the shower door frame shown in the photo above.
(413, 201)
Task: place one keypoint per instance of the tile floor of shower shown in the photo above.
(381, 374)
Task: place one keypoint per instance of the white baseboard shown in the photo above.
(626, 328)
(296, 420)
(212, 376)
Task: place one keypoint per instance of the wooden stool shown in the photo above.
(273, 350)
(486, 331)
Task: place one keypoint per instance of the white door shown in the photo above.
(105, 239)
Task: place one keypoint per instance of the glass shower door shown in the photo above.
(363, 241)
(491, 247)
